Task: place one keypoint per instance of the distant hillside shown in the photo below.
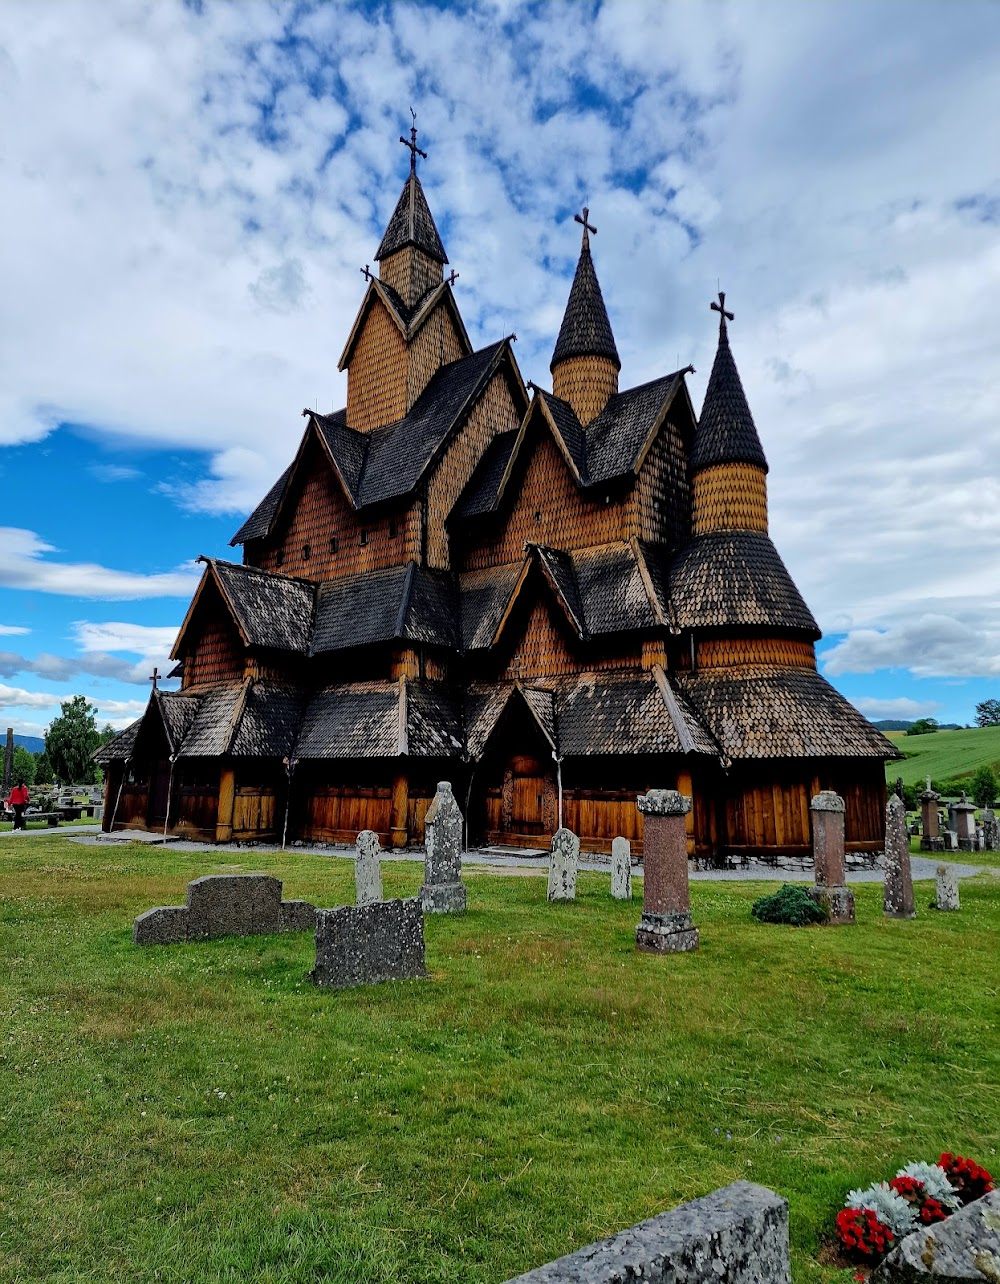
(34, 743)
(896, 724)
(944, 754)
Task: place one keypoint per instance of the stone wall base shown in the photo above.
(443, 898)
(666, 934)
(837, 903)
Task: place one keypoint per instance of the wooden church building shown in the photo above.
(555, 599)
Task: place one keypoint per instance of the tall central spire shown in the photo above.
(411, 257)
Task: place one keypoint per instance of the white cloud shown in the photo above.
(23, 565)
(18, 697)
(138, 639)
(11, 629)
(114, 472)
(961, 644)
(901, 707)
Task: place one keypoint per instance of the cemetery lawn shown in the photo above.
(201, 1113)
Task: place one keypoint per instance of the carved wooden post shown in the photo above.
(665, 926)
(227, 802)
(398, 817)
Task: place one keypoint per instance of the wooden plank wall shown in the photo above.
(378, 372)
(663, 501)
(218, 653)
(411, 273)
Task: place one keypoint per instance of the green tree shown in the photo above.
(923, 727)
(43, 769)
(988, 713)
(22, 770)
(984, 787)
(71, 740)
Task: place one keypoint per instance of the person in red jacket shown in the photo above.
(17, 801)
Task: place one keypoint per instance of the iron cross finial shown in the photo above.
(720, 307)
(587, 227)
(155, 676)
(412, 144)
(366, 272)
(453, 278)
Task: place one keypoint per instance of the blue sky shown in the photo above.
(185, 218)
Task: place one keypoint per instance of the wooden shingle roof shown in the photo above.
(627, 714)
(412, 224)
(400, 602)
(726, 432)
(585, 329)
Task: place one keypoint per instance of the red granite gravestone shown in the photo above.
(665, 926)
(830, 891)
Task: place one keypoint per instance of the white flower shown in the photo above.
(935, 1180)
(889, 1207)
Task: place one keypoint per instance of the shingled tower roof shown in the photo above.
(412, 224)
(726, 432)
(585, 330)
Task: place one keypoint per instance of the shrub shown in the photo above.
(790, 904)
(983, 789)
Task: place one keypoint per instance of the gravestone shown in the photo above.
(564, 858)
(830, 890)
(443, 891)
(368, 944)
(965, 823)
(367, 868)
(225, 905)
(736, 1235)
(930, 820)
(665, 926)
(964, 1247)
(8, 762)
(991, 830)
(898, 893)
(946, 886)
(621, 869)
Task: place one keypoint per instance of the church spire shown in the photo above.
(585, 362)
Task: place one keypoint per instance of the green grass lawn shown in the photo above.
(944, 754)
(201, 1113)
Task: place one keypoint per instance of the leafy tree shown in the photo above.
(984, 787)
(43, 769)
(988, 713)
(23, 767)
(923, 727)
(71, 740)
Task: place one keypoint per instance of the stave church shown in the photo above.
(555, 599)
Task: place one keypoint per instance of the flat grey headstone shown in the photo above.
(367, 944)
(165, 925)
(298, 916)
(963, 1249)
(225, 905)
(621, 869)
(443, 891)
(367, 868)
(564, 859)
(736, 1235)
(946, 888)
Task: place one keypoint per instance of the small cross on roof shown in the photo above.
(720, 307)
(155, 676)
(412, 144)
(587, 226)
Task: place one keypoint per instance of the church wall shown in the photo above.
(729, 497)
(377, 375)
(319, 517)
(494, 412)
(218, 655)
(586, 383)
(723, 653)
(661, 490)
(411, 273)
(436, 344)
(544, 648)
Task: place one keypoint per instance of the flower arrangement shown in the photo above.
(920, 1194)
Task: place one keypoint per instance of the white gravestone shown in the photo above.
(621, 869)
(367, 868)
(563, 861)
(947, 888)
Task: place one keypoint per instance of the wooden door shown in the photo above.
(159, 786)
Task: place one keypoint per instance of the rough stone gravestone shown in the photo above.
(443, 891)
(930, 820)
(367, 868)
(965, 823)
(564, 859)
(991, 830)
(367, 944)
(830, 890)
(736, 1235)
(621, 869)
(225, 905)
(898, 893)
(946, 886)
(964, 1247)
(665, 926)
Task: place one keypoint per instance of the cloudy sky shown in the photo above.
(189, 190)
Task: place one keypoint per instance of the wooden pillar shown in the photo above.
(684, 787)
(399, 834)
(227, 801)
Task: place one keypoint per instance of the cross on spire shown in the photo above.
(155, 676)
(453, 278)
(412, 144)
(720, 307)
(587, 227)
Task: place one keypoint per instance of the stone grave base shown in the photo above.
(225, 905)
(443, 898)
(931, 844)
(367, 944)
(666, 934)
(837, 903)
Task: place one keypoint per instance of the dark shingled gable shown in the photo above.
(585, 329)
(269, 721)
(120, 748)
(412, 224)
(782, 713)
(612, 590)
(621, 714)
(405, 602)
(356, 720)
(258, 523)
(726, 432)
(736, 578)
(212, 730)
(482, 491)
(485, 595)
(272, 610)
(434, 727)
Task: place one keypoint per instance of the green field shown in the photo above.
(201, 1113)
(944, 754)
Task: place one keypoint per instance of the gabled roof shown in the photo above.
(485, 594)
(258, 523)
(412, 224)
(486, 705)
(273, 611)
(726, 432)
(268, 722)
(408, 320)
(735, 578)
(381, 720)
(482, 492)
(627, 713)
(585, 329)
(401, 602)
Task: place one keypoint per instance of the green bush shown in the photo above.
(790, 904)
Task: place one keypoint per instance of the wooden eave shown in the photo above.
(209, 574)
(647, 582)
(409, 330)
(533, 558)
(517, 689)
(558, 437)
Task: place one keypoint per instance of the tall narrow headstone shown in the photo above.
(665, 926)
(8, 763)
(930, 823)
(965, 823)
(621, 869)
(898, 894)
(991, 830)
(443, 891)
(947, 888)
(564, 857)
(830, 890)
(367, 868)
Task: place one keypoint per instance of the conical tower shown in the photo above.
(585, 363)
(727, 465)
(411, 257)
